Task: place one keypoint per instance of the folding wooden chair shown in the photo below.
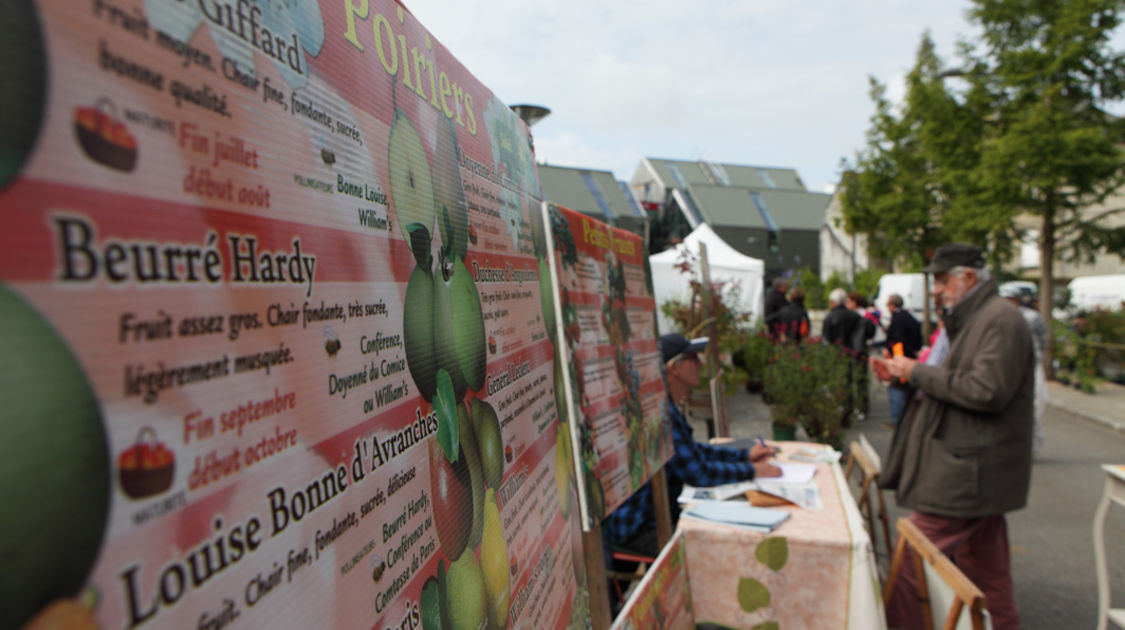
(965, 594)
(624, 582)
(864, 455)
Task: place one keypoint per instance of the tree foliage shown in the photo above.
(893, 191)
(1020, 128)
(1052, 149)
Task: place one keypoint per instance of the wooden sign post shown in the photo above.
(717, 390)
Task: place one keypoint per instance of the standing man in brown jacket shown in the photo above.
(961, 457)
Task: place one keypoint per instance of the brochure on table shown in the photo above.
(608, 371)
(270, 293)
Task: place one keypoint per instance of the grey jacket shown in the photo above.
(964, 447)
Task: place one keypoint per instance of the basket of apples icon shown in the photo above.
(103, 137)
(147, 467)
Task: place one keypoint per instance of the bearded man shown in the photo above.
(961, 456)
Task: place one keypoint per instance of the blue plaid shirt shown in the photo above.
(694, 463)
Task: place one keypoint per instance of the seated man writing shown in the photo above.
(632, 525)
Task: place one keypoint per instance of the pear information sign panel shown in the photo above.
(270, 304)
(609, 360)
(663, 598)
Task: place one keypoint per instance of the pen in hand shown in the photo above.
(771, 450)
(761, 467)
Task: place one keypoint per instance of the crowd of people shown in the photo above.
(966, 409)
(965, 405)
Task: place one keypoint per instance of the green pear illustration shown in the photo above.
(486, 426)
(547, 299)
(459, 340)
(54, 459)
(465, 593)
(418, 331)
(412, 185)
(452, 215)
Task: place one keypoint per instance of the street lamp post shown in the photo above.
(530, 114)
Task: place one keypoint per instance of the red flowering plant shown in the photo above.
(720, 306)
(806, 384)
(755, 356)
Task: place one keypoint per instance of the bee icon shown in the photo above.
(380, 567)
(331, 341)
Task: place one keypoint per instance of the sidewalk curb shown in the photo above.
(1109, 423)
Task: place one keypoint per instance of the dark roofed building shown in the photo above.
(593, 193)
(763, 212)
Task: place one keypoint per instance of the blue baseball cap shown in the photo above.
(673, 345)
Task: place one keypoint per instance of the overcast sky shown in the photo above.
(760, 82)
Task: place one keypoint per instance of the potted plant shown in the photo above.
(715, 313)
(755, 356)
(806, 384)
(781, 382)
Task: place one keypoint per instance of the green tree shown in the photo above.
(836, 281)
(1050, 147)
(867, 282)
(815, 292)
(1020, 128)
(894, 191)
(666, 228)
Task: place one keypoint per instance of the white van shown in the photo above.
(911, 287)
(1090, 292)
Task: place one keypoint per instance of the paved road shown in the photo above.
(1052, 549)
(1052, 552)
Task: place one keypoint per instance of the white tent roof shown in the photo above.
(738, 273)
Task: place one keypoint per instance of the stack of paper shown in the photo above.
(792, 472)
(719, 493)
(816, 456)
(737, 513)
(806, 495)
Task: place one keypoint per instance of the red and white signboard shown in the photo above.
(271, 315)
(609, 360)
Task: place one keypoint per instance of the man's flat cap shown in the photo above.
(953, 255)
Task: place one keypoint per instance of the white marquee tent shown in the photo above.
(737, 272)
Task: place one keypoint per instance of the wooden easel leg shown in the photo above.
(600, 615)
(662, 508)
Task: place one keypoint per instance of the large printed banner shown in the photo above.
(612, 370)
(271, 319)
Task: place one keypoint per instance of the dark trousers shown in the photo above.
(857, 390)
(979, 547)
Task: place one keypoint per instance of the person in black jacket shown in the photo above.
(790, 322)
(906, 330)
(859, 350)
(842, 323)
(774, 302)
(844, 326)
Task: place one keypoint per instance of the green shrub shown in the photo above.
(807, 384)
(1090, 348)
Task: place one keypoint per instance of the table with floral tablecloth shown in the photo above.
(816, 570)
